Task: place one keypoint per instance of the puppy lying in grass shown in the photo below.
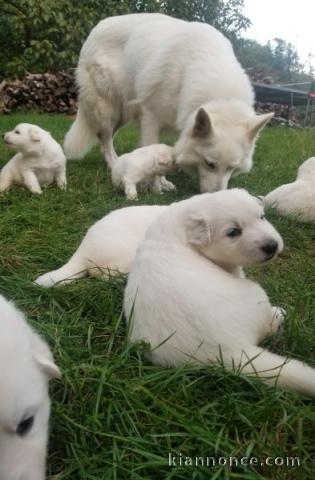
(26, 365)
(109, 246)
(296, 198)
(187, 297)
(39, 162)
(145, 165)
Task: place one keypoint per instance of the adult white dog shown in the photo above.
(40, 160)
(187, 297)
(26, 365)
(145, 166)
(108, 247)
(297, 198)
(185, 76)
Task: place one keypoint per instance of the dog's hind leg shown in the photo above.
(107, 147)
(74, 269)
(274, 369)
(109, 108)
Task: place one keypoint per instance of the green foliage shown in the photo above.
(277, 58)
(47, 35)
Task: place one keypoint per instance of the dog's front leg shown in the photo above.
(130, 190)
(156, 185)
(31, 181)
(61, 179)
(167, 186)
(238, 272)
(5, 182)
(150, 130)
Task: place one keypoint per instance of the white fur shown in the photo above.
(108, 246)
(296, 198)
(183, 68)
(187, 297)
(40, 160)
(26, 365)
(144, 165)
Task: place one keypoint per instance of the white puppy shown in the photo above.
(40, 160)
(146, 165)
(108, 246)
(296, 198)
(186, 296)
(186, 78)
(26, 365)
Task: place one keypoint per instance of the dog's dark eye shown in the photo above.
(262, 217)
(25, 426)
(17, 131)
(234, 232)
(210, 165)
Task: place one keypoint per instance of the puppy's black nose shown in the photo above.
(270, 247)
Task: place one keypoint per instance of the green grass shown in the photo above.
(114, 415)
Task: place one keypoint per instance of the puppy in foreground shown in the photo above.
(146, 165)
(187, 296)
(296, 198)
(108, 247)
(39, 162)
(26, 365)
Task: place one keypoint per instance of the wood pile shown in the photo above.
(53, 93)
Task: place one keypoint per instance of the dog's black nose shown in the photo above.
(270, 247)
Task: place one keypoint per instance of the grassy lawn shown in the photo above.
(114, 415)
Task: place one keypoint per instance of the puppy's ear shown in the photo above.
(257, 123)
(202, 126)
(43, 357)
(34, 135)
(198, 230)
(164, 160)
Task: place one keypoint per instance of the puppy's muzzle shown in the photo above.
(270, 248)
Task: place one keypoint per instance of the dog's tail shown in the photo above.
(276, 370)
(74, 269)
(80, 138)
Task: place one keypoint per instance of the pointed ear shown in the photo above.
(198, 231)
(34, 135)
(43, 357)
(202, 126)
(257, 123)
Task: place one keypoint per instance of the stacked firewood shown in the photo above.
(282, 112)
(53, 93)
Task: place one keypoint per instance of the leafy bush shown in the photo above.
(48, 35)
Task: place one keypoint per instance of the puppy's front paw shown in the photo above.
(132, 197)
(169, 186)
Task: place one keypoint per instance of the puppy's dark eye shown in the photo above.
(210, 165)
(17, 131)
(25, 426)
(234, 232)
(262, 216)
